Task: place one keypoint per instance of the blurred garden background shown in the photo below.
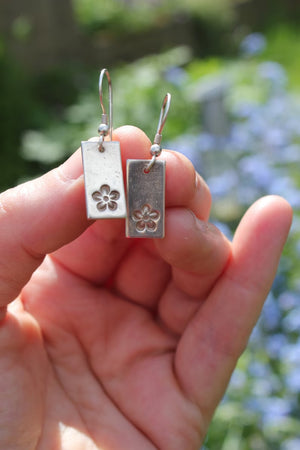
(233, 69)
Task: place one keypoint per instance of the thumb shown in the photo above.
(36, 218)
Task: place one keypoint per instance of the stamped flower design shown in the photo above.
(146, 218)
(106, 198)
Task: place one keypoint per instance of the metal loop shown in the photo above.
(100, 145)
(150, 164)
(104, 114)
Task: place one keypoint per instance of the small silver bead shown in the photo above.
(103, 129)
(155, 150)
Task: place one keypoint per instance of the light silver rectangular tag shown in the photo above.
(145, 199)
(103, 177)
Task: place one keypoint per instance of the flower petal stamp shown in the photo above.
(146, 219)
(106, 198)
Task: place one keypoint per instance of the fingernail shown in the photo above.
(72, 168)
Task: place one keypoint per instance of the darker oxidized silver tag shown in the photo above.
(145, 199)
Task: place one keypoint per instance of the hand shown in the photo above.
(118, 343)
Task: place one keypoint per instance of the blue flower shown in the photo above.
(271, 313)
(191, 146)
(291, 322)
(253, 44)
(274, 73)
(176, 75)
(240, 138)
(238, 379)
(291, 355)
(259, 369)
(276, 344)
(288, 300)
(292, 380)
(222, 184)
(285, 186)
(276, 137)
(275, 410)
(258, 167)
(291, 444)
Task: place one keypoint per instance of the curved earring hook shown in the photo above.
(104, 120)
(155, 149)
(164, 113)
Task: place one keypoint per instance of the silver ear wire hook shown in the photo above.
(104, 127)
(164, 113)
(156, 149)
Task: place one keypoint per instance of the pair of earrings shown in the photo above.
(144, 207)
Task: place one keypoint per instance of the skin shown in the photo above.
(115, 343)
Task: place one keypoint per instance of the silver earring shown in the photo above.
(146, 188)
(102, 167)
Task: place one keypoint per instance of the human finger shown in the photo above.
(36, 218)
(198, 254)
(218, 333)
(192, 247)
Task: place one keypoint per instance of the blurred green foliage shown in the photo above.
(30, 106)
(284, 47)
(17, 111)
(136, 16)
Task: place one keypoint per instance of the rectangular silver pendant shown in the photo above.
(103, 178)
(145, 199)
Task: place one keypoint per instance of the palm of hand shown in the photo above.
(117, 344)
(104, 370)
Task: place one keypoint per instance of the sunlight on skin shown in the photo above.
(72, 438)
